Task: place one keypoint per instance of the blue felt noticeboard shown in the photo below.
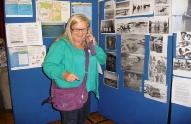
(178, 114)
(127, 106)
(29, 87)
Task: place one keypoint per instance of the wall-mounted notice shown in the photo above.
(18, 58)
(23, 34)
(181, 91)
(26, 57)
(52, 11)
(52, 29)
(82, 8)
(18, 8)
(36, 55)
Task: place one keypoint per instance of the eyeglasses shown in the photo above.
(76, 30)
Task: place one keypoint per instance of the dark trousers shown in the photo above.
(78, 116)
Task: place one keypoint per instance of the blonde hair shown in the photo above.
(73, 20)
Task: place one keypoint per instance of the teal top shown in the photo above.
(63, 56)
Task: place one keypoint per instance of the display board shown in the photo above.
(181, 81)
(132, 92)
(30, 86)
(180, 110)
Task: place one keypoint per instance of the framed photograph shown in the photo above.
(111, 79)
(110, 42)
(111, 61)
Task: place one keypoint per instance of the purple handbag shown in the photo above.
(67, 99)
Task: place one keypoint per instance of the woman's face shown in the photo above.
(79, 31)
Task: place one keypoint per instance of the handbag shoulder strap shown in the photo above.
(86, 67)
(87, 59)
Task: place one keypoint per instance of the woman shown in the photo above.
(4, 78)
(65, 64)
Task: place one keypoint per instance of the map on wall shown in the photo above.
(52, 11)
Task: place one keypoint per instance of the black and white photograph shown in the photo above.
(159, 25)
(111, 61)
(123, 9)
(109, 5)
(181, 19)
(182, 67)
(110, 42)
(157, 69)
(132, 26)
(162, 1)
(133, 63)
(133, 43)
(109, 14)
(162, 10)
(124, 4)
(158, 44)
(122, 12)
(183, 45)
(111, 79)
(108, 26)
(155, 91)
(133, 81)
(142, 7)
